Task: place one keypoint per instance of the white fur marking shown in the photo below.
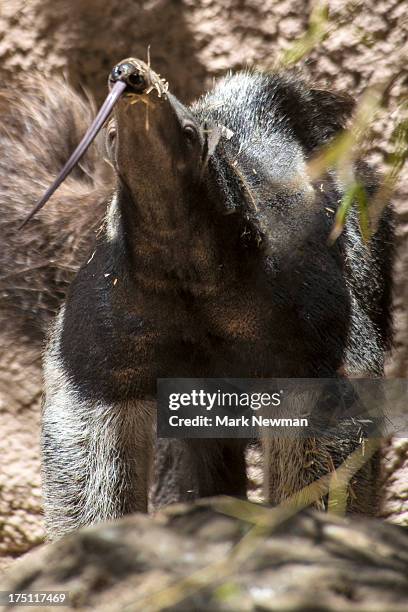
(112, 219)
(85, 475)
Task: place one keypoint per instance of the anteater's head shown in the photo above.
(156, 145)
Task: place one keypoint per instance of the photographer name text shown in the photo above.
(254, 420)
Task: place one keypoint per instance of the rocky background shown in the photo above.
(191, 41)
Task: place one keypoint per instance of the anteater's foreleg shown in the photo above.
(96, 461)
(97, 458)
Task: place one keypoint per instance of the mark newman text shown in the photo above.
(242, 421)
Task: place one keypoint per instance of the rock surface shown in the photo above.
(191, 42)
(199, 557)
(20, 491)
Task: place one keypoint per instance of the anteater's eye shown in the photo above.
(190, 132)
(110, 137)
(111, 133)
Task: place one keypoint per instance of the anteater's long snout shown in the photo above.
(130, 76)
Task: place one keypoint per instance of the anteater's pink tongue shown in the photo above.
(105, 110)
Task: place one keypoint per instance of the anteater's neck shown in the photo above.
(172, 245)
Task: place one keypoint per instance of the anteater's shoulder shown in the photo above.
(282, 102)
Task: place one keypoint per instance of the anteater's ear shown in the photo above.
(329, 113)
(213, 136)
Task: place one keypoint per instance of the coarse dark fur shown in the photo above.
(227, 274)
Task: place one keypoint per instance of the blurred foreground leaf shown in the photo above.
(342, 153)
(355, 192)
(318, 28)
